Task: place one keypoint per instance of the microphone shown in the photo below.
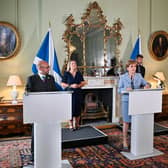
(132, 82)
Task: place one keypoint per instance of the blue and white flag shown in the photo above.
(136, 49)
(47, 53)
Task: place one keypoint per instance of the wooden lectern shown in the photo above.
(46, 110)
(143, 103)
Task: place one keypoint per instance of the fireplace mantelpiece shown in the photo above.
(107, 82)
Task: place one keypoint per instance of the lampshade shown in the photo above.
(160, 76)
(14, 80)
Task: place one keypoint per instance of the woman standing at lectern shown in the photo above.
(73, 81)
(129, 81)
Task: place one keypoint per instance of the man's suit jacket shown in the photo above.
(36, 84)
(140, 69)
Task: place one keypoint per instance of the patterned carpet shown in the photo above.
(108, 155)
(10, 152)
(16, 153)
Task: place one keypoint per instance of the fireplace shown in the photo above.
(97, 104)
(99, 99)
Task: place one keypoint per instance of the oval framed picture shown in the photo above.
(158, 45)
(10, 41)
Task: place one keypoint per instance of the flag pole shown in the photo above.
(139, 36)
(49, 24)
(139, 32)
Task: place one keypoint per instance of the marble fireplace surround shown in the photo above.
(103, 83)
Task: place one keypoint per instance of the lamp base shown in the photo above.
(14, 101)
(14, 95)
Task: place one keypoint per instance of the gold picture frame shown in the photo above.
(10, 40)
(158, 45)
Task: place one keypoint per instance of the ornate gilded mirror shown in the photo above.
(92, 43)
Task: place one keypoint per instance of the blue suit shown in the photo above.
(125, 82)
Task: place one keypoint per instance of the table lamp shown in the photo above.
(159, 76)
(14, 80)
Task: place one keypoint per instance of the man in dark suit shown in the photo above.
(140, 68)
(41, 82)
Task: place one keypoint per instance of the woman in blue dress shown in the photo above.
(129, 81)
(73, 80)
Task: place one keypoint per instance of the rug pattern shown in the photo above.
(108, 155)
(10, 153)
(15, 154)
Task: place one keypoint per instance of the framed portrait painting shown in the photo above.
(158, 45)
(9, 40)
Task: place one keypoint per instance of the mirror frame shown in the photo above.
(15, 45)
(114, 31)
(153, 45)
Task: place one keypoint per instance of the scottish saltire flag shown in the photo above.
(47, 53)
(136, 49)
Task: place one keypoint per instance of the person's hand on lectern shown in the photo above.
(147, 86)
(129, 89)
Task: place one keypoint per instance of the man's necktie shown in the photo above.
(139, 69)
(44, 78)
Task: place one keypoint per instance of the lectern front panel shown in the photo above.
(47, 107)
(145, 102)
